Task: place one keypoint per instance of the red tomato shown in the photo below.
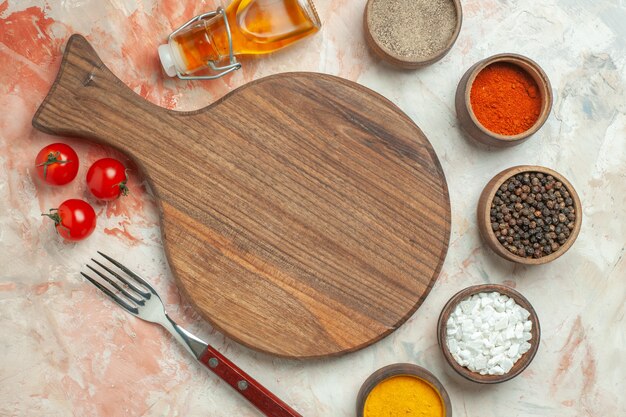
(74, 219)
(107, 178)
(57, 164)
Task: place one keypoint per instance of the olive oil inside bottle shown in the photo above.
(256, 26)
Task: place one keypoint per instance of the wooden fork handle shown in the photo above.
(257, 394)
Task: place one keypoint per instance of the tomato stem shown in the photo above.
(54, 216)
(53, 158)
(123, 188)
(57, 219)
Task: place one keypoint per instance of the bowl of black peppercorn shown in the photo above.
(529, 214)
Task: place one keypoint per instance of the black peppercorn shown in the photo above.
(532, 214)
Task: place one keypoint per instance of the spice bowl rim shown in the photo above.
(399, 369)
(545, 90)
(521, 364)
(484, 217)
(402, 61)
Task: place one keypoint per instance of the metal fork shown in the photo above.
(135, 295)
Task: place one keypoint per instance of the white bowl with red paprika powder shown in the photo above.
(503, 100)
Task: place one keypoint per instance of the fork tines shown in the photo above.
(129, 292)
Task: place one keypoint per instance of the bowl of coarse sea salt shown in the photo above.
(488, 333)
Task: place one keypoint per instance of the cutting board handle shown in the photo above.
(84, 88)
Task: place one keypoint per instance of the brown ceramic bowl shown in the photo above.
(401, 369)
(402, 61)
(468, 119)
(520, 365)
(484, 218)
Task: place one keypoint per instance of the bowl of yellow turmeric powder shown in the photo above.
(403, 389)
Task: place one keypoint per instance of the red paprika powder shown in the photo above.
(505, 99)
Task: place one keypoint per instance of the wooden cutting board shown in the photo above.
(303, 215)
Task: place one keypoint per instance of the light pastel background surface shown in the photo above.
(66, 350)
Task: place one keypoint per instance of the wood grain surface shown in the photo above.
(303, 215)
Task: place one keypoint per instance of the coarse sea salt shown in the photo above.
(488, 332)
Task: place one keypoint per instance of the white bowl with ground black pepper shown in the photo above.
(488, 333)
(412, 33)
(529, 214)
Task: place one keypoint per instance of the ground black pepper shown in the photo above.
(413, 29)
(532, 214)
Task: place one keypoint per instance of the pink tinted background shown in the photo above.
(66, 350)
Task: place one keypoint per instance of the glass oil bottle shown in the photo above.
(247, 27)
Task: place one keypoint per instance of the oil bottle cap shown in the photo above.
(167, 59)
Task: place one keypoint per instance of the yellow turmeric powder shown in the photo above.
(404, 396)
